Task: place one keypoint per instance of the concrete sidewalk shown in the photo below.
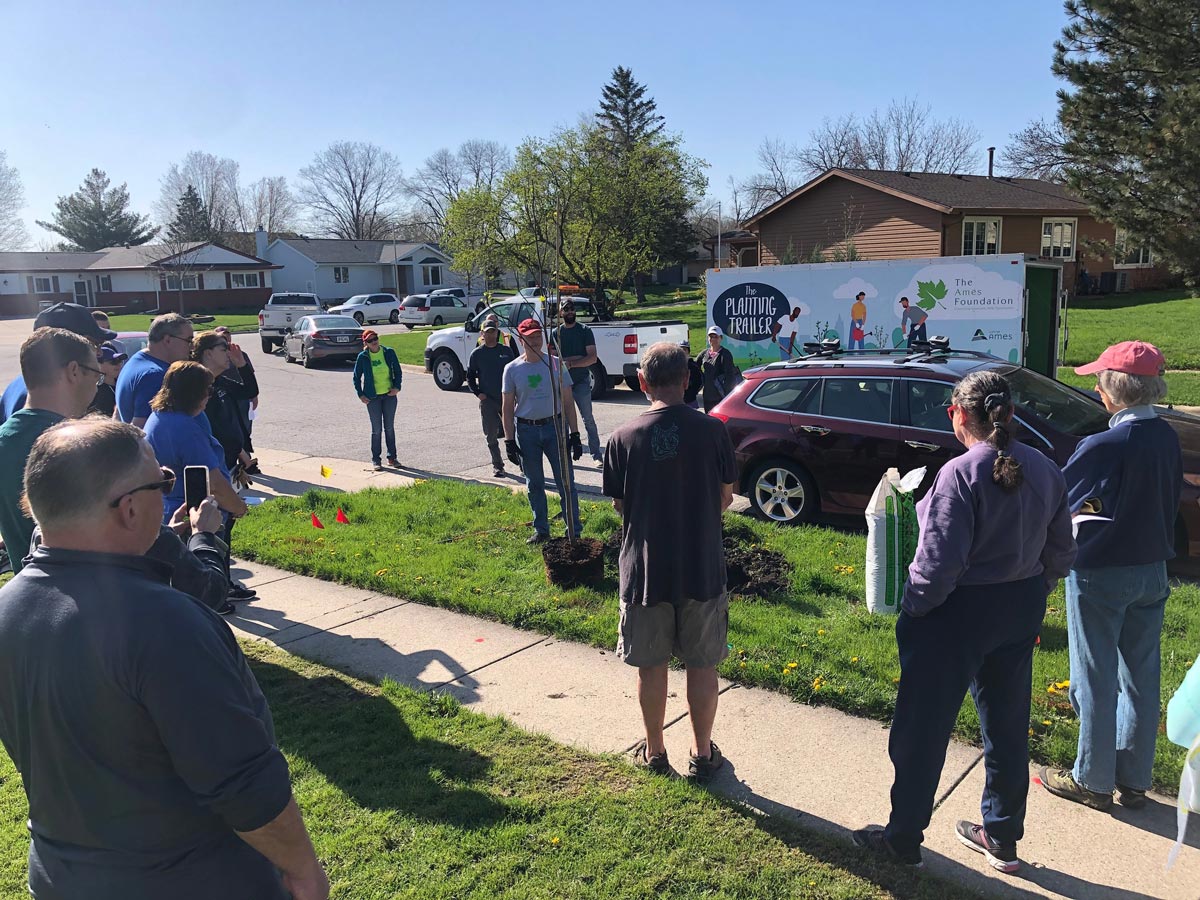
(822, 768)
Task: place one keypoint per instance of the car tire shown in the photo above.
(394, 317)
(783, 492)
(599, 381)
(409, 327)
(437, 320)
(631, 382)
(358, 317)
(305, 360)
(287, 354)
(447, 371)
(268, 346)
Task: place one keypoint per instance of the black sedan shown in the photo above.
(315, 338)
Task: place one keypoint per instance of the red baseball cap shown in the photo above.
(368, 336)
(529, 326)
(1130, 357)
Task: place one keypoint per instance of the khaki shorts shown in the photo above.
(695, 633)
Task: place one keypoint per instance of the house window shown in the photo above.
(43, 286)
(189, 283)
(1058, 239)
(1130, 255)
(981, 237)
(341, 274)
(431, 275)
(104, 284)
(244, 280)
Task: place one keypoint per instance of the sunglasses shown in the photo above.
(89, 369)
(165, 486)
(373, 341)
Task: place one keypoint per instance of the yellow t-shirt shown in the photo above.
(859, 311)
(380, 373)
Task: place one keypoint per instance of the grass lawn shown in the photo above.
(462, 547)
(409, 795)
(1168, 319)
(410, 345)
(695, 315)
(1183, 388)
(237, 322)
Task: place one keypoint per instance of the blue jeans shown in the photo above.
(382, 411)
(536, 440)
(1114, 624)
(582, 393)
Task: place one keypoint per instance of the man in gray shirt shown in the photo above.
(531, 411)
(912, 321)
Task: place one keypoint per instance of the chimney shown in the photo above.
(260, 243)
(991, 159)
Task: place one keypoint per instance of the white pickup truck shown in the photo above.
(280, 312)
(619, 345)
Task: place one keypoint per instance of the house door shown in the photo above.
(83, 293)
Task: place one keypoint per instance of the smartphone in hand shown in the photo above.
(195, 485)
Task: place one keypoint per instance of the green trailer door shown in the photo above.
(1041, 319)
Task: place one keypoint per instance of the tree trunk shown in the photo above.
(639, 286)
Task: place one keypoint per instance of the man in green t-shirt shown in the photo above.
(60, 372)
(578, 348)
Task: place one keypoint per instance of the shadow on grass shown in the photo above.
(360, 742)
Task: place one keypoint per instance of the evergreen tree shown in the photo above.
(191, 222)
(1132, 119)
(97, 216)
(626, 113)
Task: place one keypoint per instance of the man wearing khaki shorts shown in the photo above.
(670, 473)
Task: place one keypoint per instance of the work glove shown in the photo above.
(576, 446)
(513, 452)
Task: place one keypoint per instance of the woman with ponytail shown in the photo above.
(995, 539)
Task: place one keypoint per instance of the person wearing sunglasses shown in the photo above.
(60, 373)
(995, 538)
(377, 377)
(143, 695)
(170, 340)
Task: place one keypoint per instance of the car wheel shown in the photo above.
(599, 379)
(287, 354)
(268, 345)
(409, 327)
(394, 317)
(631, 382)
(358, 317)
(447, 371)
(782, 492)
(305, 360)
(437, 320)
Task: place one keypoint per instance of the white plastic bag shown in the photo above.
(891, 539)
(1189, 798)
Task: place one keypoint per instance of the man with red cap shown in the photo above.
(1123, 490)
(531, 410)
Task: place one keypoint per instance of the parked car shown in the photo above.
(369, 308)
(619, 345)
(432, 309)
(322, 337)
(281, 311)
(133, 341)
(815, 435)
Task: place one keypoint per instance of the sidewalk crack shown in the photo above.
(341, 624)
(434, 687)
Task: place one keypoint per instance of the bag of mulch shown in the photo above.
(891, 539)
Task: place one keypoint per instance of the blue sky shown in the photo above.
(132, 87)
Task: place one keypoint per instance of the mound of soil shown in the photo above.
(753, 570)
(573, 563)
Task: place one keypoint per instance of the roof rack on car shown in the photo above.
(936, 348)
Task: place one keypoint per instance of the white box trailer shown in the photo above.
(1008, 305)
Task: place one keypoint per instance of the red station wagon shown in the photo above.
(813, 436)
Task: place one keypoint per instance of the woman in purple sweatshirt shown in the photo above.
(995, 540)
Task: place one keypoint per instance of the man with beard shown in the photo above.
(578, 348)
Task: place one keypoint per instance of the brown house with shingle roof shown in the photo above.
(901, 215)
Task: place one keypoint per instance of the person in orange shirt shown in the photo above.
(858, 322)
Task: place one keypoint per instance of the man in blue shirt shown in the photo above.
(140, 379)
(69, 317)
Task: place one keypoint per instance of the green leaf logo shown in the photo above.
(930, 293)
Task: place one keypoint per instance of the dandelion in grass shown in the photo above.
(820, 631)
(854, 659)
(1063, 685)
(1047, 722)
(896, 680)
(379, 573)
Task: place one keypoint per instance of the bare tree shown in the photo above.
(443, 177)
(352, 190)
(777, 176)
(485, 162)
(1036, 151)
(13, 235)
(836, 144)
(215, 179)
(267, 202)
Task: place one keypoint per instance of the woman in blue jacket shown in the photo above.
(377, 378)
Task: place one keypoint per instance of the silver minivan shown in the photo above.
(432, 309)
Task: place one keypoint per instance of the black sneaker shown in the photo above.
(226, 609)
(1001, 857)
(701, 769)
(871, 839)
(238, 591)
(499, 473)
(1130, 798)
(658, 764)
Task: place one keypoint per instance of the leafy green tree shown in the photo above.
(191, 222)
(97, 216)
(1132, 119)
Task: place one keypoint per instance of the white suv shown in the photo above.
(370, 308)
